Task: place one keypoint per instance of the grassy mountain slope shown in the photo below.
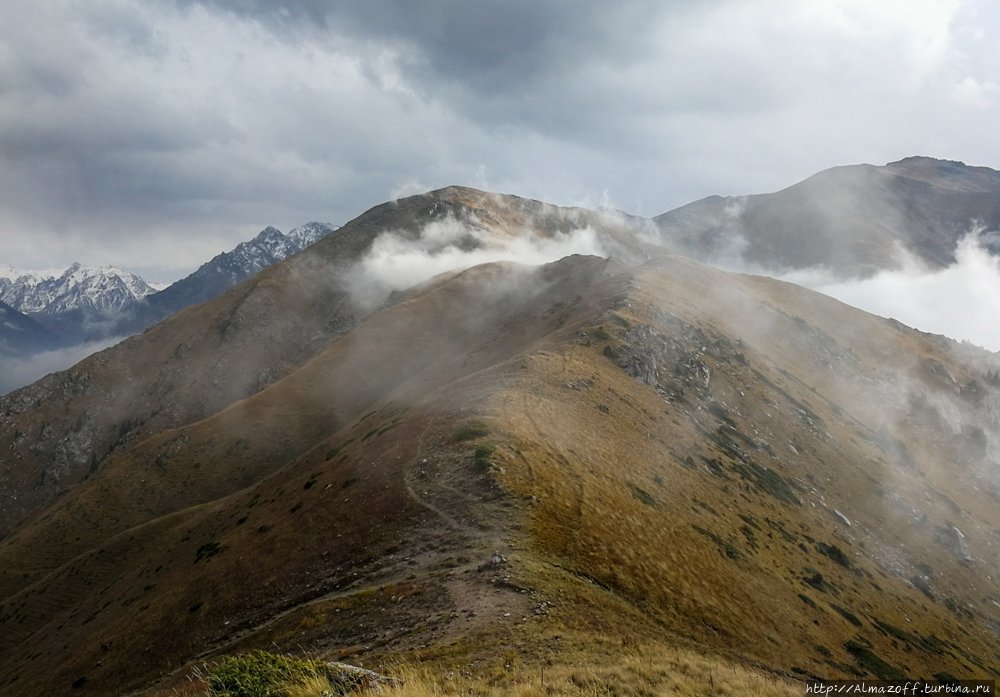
(510, 467)
(667, 454)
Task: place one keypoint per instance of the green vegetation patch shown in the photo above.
(207, 550)
(767, 480)
(725, 547)
(817, 581)
(482, 455)
(472, 430)
(870, 662)
(642, 495)
(835, 553)
(847, 615)
(263, 674)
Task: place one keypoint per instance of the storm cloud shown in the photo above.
(152, 135)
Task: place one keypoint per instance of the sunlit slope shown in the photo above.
(769, 472)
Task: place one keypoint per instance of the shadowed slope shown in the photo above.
(142, 525)
(207, 357)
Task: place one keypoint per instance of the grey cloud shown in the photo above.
(490, 45)
(541, 66)
(128, 126)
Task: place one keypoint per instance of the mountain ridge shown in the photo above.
(850, 219)
(274, 320)
(78, 287)
(20, 334)
(226, 269)
(659, 450)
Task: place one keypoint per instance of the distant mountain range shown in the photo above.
(500, 468)
(227, 269)
(80, 304)
(48, 311)
(104, 290)
(852, 221)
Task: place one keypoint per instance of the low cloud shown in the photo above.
(18, 372)
(961, 301)
(396, 261)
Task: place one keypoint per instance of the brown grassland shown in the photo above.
(578, 479)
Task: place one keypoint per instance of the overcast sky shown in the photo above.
(153, 135)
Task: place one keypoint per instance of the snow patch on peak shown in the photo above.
(267, 234)
(305, 235)
(12, 274)
(78, 287)
(269, 247)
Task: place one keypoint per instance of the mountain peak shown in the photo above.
(950, 175)
(269, 233)
(224, 270)
(851, 219)
(78, 287)
(305, 235)
(925, 161)
(10, 273)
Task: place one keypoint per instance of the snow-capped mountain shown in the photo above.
(229, 268)
(21, 288)
(305, 235)
(52, 309)
(268, 247)
(78, 288)
(109, 291)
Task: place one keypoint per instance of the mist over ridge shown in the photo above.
(647, 441)
(651, 348)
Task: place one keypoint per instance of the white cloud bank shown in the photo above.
(396, 262)
(18, 372)
(961, 301)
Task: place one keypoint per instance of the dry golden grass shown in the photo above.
(636, 672)
(313, 686)
(620, 504)
(622, 495)
(639, 671)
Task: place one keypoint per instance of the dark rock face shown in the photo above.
(20, 334)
